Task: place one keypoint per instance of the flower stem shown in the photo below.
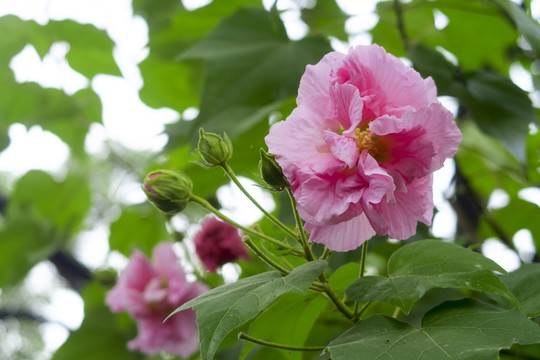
(340, 305)
(249, 243)
(398, 9)
(300, 228)
(205, 204)
(359, 313)
(362, 269)
(244, 336)
(230, 173)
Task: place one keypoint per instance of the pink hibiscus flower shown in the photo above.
(150, 293)
(360, 149)
(218, 243)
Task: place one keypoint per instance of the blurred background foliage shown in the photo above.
(234, 62)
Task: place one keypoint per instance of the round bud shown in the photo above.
(271, 172)
(168, 190)
(214, 149)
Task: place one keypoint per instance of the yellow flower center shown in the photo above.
(364, 141)
(376, 146)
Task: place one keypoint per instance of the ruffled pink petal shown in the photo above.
(342, 147)
(328, 199)
(315, 78)
(378, 73)
(344, 236)
(178, 335)
(380, 183)
(398, 220)
(127, 293)
(155, 292)
(420, 141)
(347, 106)
(304, 124)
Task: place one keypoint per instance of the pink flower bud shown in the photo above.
(218, 243)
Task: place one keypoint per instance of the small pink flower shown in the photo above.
(150, 292)
(360, 149)
(218, 243)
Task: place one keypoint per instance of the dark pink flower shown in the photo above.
(360, 149)
(218, 243)
(150, 292)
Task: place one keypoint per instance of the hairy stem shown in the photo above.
(205, 204)
(244, 336)
(271, 217)
(362, 269)
(338, 303)
(249, 243)
(401, 24)
(300, 228)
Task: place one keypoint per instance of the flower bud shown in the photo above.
(214, 149)
(168, 190)
(271, 172)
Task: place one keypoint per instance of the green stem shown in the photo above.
(230, 173)
(205, 204)
(326, 253)
(401, 24)
(300, 228)
(243, 336)
(340, 305)
(362, 269)
(249, 243)
(364, 308)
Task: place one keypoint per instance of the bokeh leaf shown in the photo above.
(102, 335)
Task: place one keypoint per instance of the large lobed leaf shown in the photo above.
(287, 321)
(222, 309)
(418, 267)
(460, 330)
(524, 284)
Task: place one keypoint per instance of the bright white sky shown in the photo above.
(127, 121)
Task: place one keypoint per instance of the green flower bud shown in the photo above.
(271, 172)
(214, 149)
(168, 190)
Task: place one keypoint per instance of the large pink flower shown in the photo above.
(360, 149)
(218, 243)
(150, 293)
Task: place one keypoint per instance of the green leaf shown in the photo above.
(533, 157)
(167, 84)
(415, 268)
(64, 204)
(501, 109)
(429, 62)
(523, 283)
(486, 48)
(251, 68)
(487, 165)
(24, 242)
(90, 49)
(102, 335)
(140, 227)
(326, 18)
(528, 27)
(518, 214)
(460, 330)
(222, 309)
(287, 321)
